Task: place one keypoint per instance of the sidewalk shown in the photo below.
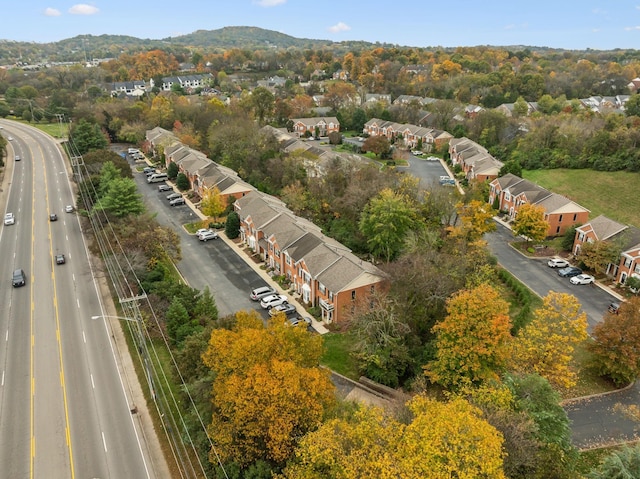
(239, 249)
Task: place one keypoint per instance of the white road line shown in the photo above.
(104, 442)
(84, 338)
(93, 385)
(3, 377)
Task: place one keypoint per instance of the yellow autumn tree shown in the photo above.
(212, 202)
(547, 344)
(442, 441)
(472, 341)
(530, 223)
(474, 220)
(268, 391)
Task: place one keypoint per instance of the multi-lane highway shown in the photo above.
(64, 410)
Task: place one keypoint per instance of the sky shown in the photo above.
(568, 24)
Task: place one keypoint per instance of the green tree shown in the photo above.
(568, 238)
(205, 310)
(381, 343)
(108, 173)
(621, 464)
(616, 345)
(530, 223)
(121, 198)
(182, 182)
(632, 106)
(87, 136)
(179, 324)
(472, 342)
(262, 103)
(232, 226)
(385, 222)
(172, 170)
(520, 107)
(511, 166)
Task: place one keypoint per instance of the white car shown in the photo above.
(258, 293)
(582, 279)
(10, 138)
(9, 219)
(208, 235)
(557, 263)
(417, 152)
(272, 300)
(69, 208)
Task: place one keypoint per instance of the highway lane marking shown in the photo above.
(3, 377)
(104, 442)
(84, 338)
(92, 383)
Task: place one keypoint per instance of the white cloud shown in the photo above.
(52, 12)
(83, 9)
(632, 28)
(339, 27)
(269, 3)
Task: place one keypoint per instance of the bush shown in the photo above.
(182, 182)
(232, 226)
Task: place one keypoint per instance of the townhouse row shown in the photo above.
(324, 273)
(431, 138)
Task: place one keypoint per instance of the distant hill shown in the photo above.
(88, 47)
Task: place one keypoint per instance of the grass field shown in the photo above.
(613, 194)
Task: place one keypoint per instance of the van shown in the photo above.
(157, 178)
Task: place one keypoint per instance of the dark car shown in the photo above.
(287, 308)
(53, 217)
(60, 259)
(569, 272)
(18, 278)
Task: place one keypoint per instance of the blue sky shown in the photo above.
(569, 24)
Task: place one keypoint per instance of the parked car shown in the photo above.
(148, 170)
(447, 180)
(9, 219)
(569, 272)
(287, 308)
(177, 201)
(272, 300)
(173, 196)
(53, 217)
(582, 279)
(557, 263)
(417, 152)
(208, 235)
(60, 259)
(614, 307)
(295, 320)
(69, 208)
(259, 293)
(18, 278)
(164, 187)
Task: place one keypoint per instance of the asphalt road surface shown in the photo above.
(63, 408)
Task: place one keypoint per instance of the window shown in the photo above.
(277, 253)
(581, 236)
(331, 296)
(321, 288)
(373, 288)
(575, 216)
(627, 263)
(560, 219)
(287, 259)
(558, 229)
(353, 294)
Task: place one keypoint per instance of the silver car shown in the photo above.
(272, 300)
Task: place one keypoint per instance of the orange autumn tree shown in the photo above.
(475, 219)
(443, 440)
(268, 390)
(547, 344)
(472, 341)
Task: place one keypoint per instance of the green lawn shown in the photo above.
(336, 356)
(613, 194)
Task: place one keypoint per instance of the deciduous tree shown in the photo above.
(474, 220)
(212, 203)
(268, 390)
(472, 342)
(378, 145)
(546, 345)
(616, 345)
(530, 223)
(621, 464)
(385, 221)
(598, 255)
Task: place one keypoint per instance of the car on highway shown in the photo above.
(260, 292)
(557, 263)
(569, 271)
(10, 138)
(582, 279)
(18, 278)
(272, 300)
(9, 219)
(164, 187)
(173, 196)
(287, 308)
(208, 235)
(60, 259)
(177, 201)
(17, 158)
(69, 209)
(53, 217)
